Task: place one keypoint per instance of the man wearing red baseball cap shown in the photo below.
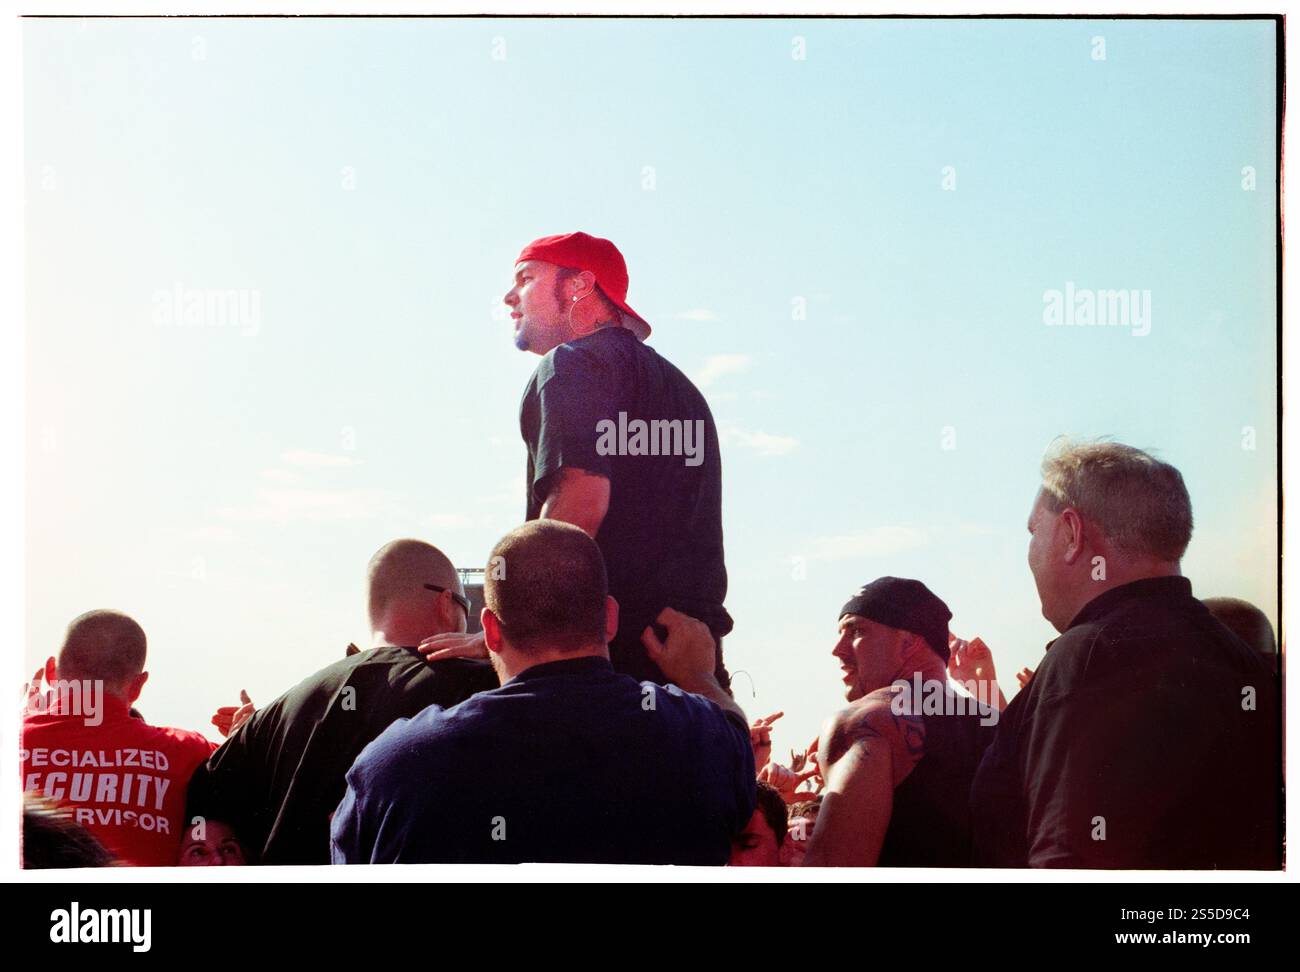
(620, 443)
(570, 255)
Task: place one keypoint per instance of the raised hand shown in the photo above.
(970, 660)
(229, 718)
(971, 664)
(760, 737)
(34, 698)
(687, 657)
(786, 780)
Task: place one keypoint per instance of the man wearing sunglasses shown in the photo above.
(281, 773)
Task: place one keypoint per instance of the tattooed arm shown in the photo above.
(866, 751)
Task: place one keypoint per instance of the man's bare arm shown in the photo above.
(857, 804)
(578, 497)
(866, 750)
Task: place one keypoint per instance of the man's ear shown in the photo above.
(491, 631)
(581, 284)
(611, 618)
(51, 670)
(449, 613)
(1072, 524)
(135, 686)
(915, 651)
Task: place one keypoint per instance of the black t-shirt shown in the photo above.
(610, 405)
(280, 776)
(930, 823)
(1147, 738)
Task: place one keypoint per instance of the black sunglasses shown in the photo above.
(460, 599)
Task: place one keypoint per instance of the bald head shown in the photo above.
(104, 646)
(400, 604)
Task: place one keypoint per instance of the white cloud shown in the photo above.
(881, 541)
(513, 496)
(697, 314)
(718, 365)
(282, 477)
(887, 541)
(310, 505)
(212, 533)
(306, 459)
(761, 443)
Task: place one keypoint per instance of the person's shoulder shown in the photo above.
(1067, 657)
(308, 698)
(417, 748)
(968, 724)
(609, 350)
(401, 741)
(186, 741)
(689, 708)
(432, 724)
(318, 682)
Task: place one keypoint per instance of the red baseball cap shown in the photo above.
(582, 251)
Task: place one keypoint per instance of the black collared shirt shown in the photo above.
(1147, 738)
(566, 762)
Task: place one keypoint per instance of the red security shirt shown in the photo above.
(122, 779)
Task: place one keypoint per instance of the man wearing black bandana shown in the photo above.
(896, 631)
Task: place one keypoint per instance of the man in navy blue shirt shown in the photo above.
(567, 761)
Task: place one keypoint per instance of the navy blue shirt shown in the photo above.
(566, 762)
(662, 535)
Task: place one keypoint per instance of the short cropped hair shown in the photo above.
(774, 810)
(1140, 503)
(546, 584)
(102, 646)
(1246, 621)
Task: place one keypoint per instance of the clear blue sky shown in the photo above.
(227, 484)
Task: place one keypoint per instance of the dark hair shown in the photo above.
(806, 808)
(1246, 621)
(545, 582)
(51, 838)
(774, 810)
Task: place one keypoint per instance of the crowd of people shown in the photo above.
(585, 715)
